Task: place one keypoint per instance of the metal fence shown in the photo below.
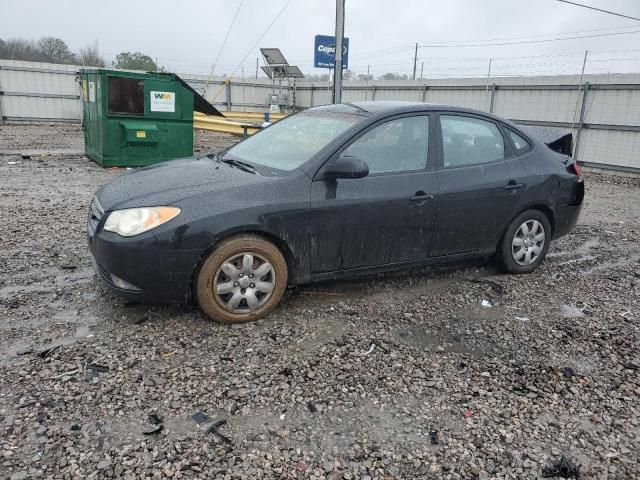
(603, 112)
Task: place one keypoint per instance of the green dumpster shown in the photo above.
(133, 118)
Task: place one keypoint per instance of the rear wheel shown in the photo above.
(242, 280)
(525, 243)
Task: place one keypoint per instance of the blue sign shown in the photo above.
(325, 51)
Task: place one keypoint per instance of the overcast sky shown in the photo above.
(186, 35)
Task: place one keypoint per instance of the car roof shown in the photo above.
(384, 108)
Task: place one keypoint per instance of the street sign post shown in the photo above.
(325, 50)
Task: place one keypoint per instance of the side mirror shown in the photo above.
(347, 166)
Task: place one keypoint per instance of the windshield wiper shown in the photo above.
(247, 167)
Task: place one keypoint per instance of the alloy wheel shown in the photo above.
(528, 242)
(244, 282)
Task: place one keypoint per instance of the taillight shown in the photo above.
(576, 168)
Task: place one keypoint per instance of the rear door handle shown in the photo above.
(513, 186)
(420, 197)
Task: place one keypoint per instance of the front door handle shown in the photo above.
(513, 186)
(421, 197)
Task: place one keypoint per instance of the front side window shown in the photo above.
(470, 141)
(126, 95)
(399, 145)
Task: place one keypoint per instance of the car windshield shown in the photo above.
(292, 141)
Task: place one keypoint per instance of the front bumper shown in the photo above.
(162, 274)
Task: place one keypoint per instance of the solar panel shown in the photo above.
(273, 56)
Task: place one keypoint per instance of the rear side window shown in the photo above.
(519, 142)
(470, 141)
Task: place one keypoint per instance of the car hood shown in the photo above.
(169, 182)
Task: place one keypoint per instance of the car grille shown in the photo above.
(95, 214)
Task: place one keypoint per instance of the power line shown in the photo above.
(255, 45)
(434, 45)
(599, 10)
(224, 42)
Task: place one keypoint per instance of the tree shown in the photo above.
(364, 76)
(394, 76)
(55, 50)
(135, 61)
(89, 56)
(348, 75)
(19, 49)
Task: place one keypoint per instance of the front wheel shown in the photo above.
(525, 243)
(242, 280)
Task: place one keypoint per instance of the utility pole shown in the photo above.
(337, 75)
(421, 70)
(415, 61)
(256, 68)
(366, 86)
(489, 74)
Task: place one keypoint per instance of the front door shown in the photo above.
(480, 185)
(387, 217)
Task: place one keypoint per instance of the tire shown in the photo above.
(242, 280)
(522, 249)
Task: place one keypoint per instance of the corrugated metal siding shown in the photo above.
(611, 134)
(39, 91)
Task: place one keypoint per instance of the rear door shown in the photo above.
(480, 184)
(387, 217)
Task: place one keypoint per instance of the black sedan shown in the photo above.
(333, 191)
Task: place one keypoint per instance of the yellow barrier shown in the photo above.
(217, 124)
(235, 123)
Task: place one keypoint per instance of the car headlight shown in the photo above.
(134, 221)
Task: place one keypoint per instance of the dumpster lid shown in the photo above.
(200, 104)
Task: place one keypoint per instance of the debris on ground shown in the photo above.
(97, 368)
(200, 417)
(154, 431)
(564, 468)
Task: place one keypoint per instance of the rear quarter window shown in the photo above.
(520, 144)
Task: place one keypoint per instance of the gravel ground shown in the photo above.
(396, 376)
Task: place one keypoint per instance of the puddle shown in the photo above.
(421, 337)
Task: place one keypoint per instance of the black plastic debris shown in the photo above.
(312, 407)
(433, 435)
(213, 429)
(155, 419)
(568, 372)
(47, 352)
(226, 359)
(68, 266)
(155, 431)
(200, 417)
(564, 468)
(75, 427)
(25, 156)
(631, 366)
(462, 366)
(287, 372)
(98, 368)
(13, 303)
